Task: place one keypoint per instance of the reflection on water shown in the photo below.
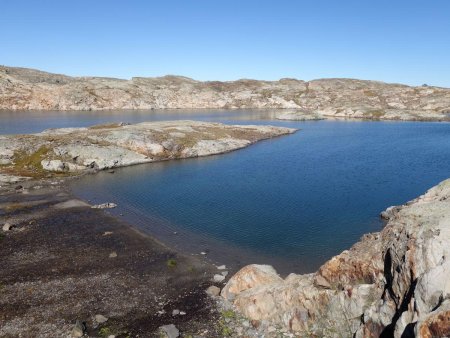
(23, 122)
(293, 201)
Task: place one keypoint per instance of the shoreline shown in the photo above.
(93, 256)
(65, 264)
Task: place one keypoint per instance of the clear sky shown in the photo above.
(406, 41)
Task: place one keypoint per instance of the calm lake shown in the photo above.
(292, 201)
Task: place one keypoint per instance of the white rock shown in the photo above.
(213, 291)
(54, 165)
(218, 278)
(100, 319)
(7, 227)
(170, 331)
(104, 206)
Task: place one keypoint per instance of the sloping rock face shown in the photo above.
(116, 145)
(24, 89)
(395, 283)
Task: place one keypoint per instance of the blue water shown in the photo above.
(292, 201)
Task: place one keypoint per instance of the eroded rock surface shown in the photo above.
(22, 88)
(115, 145)
(395, 283)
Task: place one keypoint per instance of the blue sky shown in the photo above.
(393, 41)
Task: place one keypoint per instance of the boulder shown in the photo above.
(249, 277)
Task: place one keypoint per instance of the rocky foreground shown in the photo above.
(70, 270)
(395, 283)
(76, 150)
(24, 89)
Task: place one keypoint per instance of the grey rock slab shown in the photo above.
(170, 331)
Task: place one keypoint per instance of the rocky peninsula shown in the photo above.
(78, 150)
(26, 89)
(395, 283)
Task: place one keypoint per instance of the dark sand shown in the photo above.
(56, 269)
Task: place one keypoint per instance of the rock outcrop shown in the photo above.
(395, 283)
(100, 147)
(23, 89)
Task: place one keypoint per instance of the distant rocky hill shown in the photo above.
(23, 89)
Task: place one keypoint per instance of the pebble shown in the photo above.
(221, 267)
(213, 291)
(218, 278)
(202, 253)
(78, 329)
(182, 313)
(175, 312)
(100, 319)
(107, 233)
(224, 273)
(113, 255)
(170, 331)
(7, 226)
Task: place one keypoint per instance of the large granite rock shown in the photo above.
(22, 88)
(395, 283)
(117, 145)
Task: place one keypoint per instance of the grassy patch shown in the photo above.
(230, 314)
(23, 159)
(105, 332)
(370, 93)
(29, 164)
(374, 114)
(106, 126)
(171, 263)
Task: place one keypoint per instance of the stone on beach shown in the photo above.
(7, 227)
(100, 319)
(213, 291)
(170, 331)
(218, 278)
(104, 206)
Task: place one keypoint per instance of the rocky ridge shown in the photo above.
(395, 283)
(26, 89)
(75, 150)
